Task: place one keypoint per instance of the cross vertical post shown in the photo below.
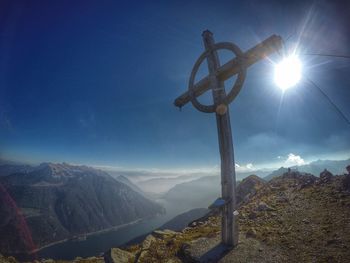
(229, 226)
(215, 81)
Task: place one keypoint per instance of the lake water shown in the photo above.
(95, 245)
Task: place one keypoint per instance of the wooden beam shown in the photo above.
(253, 55)
(229, 226)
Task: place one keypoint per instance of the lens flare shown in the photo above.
(288, 72)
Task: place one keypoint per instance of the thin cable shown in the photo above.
(326, 55)
(329, 100)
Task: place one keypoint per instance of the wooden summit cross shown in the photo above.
(215, 81)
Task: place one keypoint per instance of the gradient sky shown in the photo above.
(93, 82)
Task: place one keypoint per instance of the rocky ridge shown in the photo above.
(292, 218)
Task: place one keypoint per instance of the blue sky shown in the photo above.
(93, 82)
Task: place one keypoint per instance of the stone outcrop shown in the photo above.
(248, 187)
(262, 206)
(346, 182)
(326, 176)
(116, 255)
(293, 218)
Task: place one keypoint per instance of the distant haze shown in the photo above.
(157, 181)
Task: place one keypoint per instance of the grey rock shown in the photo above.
(173, 260)
(346, 182)
(282, 199)
(203, 250)
(162, 234)
(146, 244)
(116, 255)
(251, 233)
(252, 215)
(262, 206)
(326, 176)
(306, 221)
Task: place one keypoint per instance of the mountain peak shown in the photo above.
(68, 170)
(253, 177)
(248, 187)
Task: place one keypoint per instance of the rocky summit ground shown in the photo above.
(292, 218)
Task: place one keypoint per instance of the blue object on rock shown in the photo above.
(218, 203)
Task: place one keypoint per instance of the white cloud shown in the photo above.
(244, 168)
(294, 159)
(250, 166)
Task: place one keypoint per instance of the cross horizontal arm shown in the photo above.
(253, 55)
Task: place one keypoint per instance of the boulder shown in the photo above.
(4, 259)
(203, 250)
(251, 233)
(307, 180)
(262, 206)
(252, 215)
(306, 221)
(282, 199)
(117, 255)
(148, 242)
(173, 260)
(146, 245)
(326, 176)
(163, 234)
(346, 182)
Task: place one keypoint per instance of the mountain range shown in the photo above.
(202, 191)
(198, 193)
(54, 202)
(315, 168)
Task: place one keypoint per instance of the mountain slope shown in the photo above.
(204, 191)
(179, 222)
(292, 218)
(7, 169)
(164, 184)
(123, 179)
(194, 194)
(59, 201)
(280, 171)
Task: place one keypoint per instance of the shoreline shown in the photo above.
(76, 238)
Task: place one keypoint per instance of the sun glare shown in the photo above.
(288, 72)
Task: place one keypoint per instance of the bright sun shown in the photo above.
(288, 72)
